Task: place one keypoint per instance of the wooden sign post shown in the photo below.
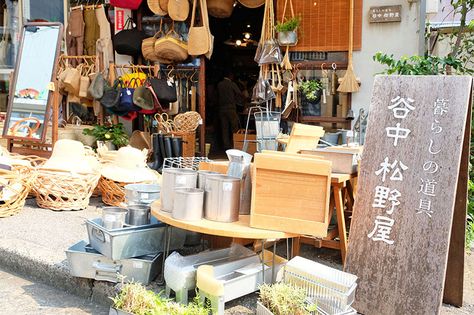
(410, 179)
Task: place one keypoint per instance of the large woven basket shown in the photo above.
(113, 193)
(16, 185)
(61, 190)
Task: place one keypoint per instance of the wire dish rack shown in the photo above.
(185, 162)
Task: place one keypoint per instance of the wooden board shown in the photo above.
(290, 193)
(303, 137)
(240, 229)
(385, 14)
(400, 257)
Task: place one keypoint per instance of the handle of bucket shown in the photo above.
(98, 234)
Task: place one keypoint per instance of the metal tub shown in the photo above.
(85, 262)
(141, 193)
(132, 241)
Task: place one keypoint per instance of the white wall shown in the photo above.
(397, 38)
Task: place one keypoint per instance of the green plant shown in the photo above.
(289, 25)
(470, 215)
(136, 299)
(285, 299)
(420, 65)
(114, 133)
(310, 89)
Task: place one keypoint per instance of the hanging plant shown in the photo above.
(310, 89)
(287, 35)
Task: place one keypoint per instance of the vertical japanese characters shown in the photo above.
(386, 198)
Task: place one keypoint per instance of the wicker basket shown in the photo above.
(17, 184)
(189, 142)
(62, 190)
(113, 193)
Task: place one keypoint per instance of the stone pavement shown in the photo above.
(32, 244)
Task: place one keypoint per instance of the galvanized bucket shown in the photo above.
(175, 178)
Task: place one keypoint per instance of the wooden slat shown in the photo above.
(325, 24)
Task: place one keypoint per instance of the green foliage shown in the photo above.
(114, 133)
(310, 89)
(420, 65)
(135, 299)
(470, 215)
(285, 299)
(289, 25)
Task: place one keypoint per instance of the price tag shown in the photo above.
(137, 264)
(110, 218)
(50, 86)
(170, 81)
(128, 92)
(180, 180)
(144, 196)
(227, 187)
(200, 121)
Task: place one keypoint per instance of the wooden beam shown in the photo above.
(202, 105)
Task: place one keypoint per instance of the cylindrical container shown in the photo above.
(175, 178)
(222, 200)
(138, 214)
(113, 217)
(141, 193)
(202, 175)
(188, 204)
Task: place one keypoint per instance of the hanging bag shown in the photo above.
(270, 52)
(129, 40)
(178, 10)
(111, 97)
(171, 48)
(164, 88)
(199, 41)
(148, 44)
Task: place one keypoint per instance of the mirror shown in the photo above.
(30, 95)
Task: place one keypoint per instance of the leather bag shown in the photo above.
(129, 40)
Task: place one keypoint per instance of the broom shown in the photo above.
(349, 81)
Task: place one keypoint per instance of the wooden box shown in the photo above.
(239, 137)
(291, 193)
(344, 162)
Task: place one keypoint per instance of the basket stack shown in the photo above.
(15, 185)
(67, 180)
(128, 166)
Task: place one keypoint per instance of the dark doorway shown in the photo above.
(235, 44)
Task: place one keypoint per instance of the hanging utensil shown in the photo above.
(349, 82)
(334, 79)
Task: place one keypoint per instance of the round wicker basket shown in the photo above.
(15, 186)
(61, 190)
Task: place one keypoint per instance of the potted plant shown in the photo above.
(112, 136)
(135, 299)
(283, 299)
(287, 34)
(310, 89)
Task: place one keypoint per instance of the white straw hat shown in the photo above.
(70, 155)
(129, 166)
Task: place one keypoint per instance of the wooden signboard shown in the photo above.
(407, 190)
(388, 13)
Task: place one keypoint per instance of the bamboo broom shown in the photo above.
(349, 81)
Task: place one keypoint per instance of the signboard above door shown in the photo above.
(384, 14)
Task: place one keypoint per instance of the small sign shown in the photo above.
(384, 14)
(119, 19)
(410, 168)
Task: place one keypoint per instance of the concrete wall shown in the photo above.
(397, 38)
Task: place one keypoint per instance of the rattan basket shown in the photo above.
(61, 190)
(15, 186)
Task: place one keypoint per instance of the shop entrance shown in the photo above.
(235, 44)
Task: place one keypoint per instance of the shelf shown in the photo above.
(325, 119)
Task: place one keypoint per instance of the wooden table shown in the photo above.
(341, 191)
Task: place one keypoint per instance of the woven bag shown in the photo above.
(199, 42)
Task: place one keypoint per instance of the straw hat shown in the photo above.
(129, 166)
(252, 4)
(70, 155)
(156, 8)
(178, 10)
(220, 8)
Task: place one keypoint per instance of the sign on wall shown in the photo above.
(383, 14)
(402, 217)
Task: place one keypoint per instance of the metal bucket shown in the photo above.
(138, 214)
(175, 178)
(141, 193)
(222, 198)
(113, 217)
(202, 175)
(188, 204)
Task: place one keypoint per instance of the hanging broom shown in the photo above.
(349, 82)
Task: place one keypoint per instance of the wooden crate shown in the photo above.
(291, 193)
(342, 161)
(189, 142)
(303, 137)
(239, 137)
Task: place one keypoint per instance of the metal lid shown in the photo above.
(183, 171)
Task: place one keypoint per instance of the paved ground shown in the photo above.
(21, 297)
(32, 244)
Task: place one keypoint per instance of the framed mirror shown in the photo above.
(30, 95)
